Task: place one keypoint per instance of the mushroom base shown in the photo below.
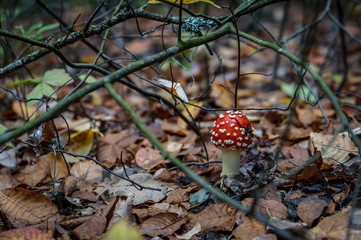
(231, 163)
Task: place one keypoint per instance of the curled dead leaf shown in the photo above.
(23, 207)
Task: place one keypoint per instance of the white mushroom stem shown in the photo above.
(231, 163)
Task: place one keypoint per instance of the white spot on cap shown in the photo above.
(222, 130)
(228, 134)
(240, 139)
(239, 144)
(244, 144)
(232, 116)
(217, 125)
(246, 137)
(222, 123)
(221, 116)
(229, 111)
(235, 134)
(228, 141)
(227, 122)
(220, 141)
(236, 128)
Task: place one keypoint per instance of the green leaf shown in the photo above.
(89, 80)
(42, 89)
(289, 89)
(36, 92)
(56, 77)
(2, 130)
(337, 78)
(25, 82)
(48, 90)
(47, 28)
(35, 26)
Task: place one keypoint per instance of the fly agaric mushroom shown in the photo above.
(232, 133)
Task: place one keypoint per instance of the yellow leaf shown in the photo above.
(123, 231)
(80, 143)
(185, 2)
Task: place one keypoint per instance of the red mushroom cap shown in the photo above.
(232, 131)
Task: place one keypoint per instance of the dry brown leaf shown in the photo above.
(7, 181)
(272, 208)
(93, 227)
(188, 235)
(249, 229)
(179, 195)
(223, 98)
(164, 224)
(334, 149)
(87, 171)
(21, 107)
(268, 208)
(125, 188)
(25, 234)
(148, 158)
(33, 174)
(108, 153)
(155, 209)
(23, 207)
(310, 209)
(336, 226)
(305, 116)
(61, 170)
(217, 217)
(299, 153)
(172, 128)
(192, 110)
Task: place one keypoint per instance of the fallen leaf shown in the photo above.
(164, 224)
(310, 209)
(222, 97)
(108, 153)
(61, 169)
(93, 227)
(249, 229)
(196, 229)
(217, 217)
(305, 116)
(122, 230)
(334, 149)
(87, 171)
(7, 181)
(23, 207)
(125, 188)
(25, 234)
(148, 158)
(268, 208)
(336, 226)
(21, 108)
(179, 195)
(8, 158)
(80, 143)
(155, 209)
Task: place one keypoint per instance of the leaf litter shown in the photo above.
(310, 190)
